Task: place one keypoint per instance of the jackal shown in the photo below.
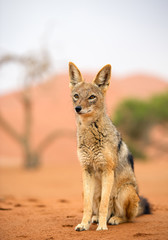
(109, 184)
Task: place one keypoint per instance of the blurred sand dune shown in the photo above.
(52, 109)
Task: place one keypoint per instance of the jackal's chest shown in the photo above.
(91, 143)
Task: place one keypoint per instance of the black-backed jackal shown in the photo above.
(109, 184)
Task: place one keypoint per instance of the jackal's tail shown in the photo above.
(144, 206)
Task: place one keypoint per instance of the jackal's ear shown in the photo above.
(74, 75)
(102, 79)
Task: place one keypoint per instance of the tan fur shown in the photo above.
(109, 184)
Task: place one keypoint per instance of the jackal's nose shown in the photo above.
(78, 109)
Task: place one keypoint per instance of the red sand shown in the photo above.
(47, 204)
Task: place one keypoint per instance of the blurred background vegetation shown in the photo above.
(135, 119)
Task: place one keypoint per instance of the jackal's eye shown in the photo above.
(76, 96)
(92, 97)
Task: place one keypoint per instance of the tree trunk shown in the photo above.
(31, 159)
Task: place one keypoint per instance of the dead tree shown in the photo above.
(35, 68)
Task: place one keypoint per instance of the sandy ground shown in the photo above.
(47, 204)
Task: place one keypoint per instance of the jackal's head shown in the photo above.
(88, 98)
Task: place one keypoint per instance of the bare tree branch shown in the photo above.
(52, 136)
(6, 126)
(36, 65)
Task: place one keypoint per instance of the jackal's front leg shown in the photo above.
(107, 184)
(88, 188)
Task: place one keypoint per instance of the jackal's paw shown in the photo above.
(82, 227)
(103, 227)
(95, 219)
(115, 220)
